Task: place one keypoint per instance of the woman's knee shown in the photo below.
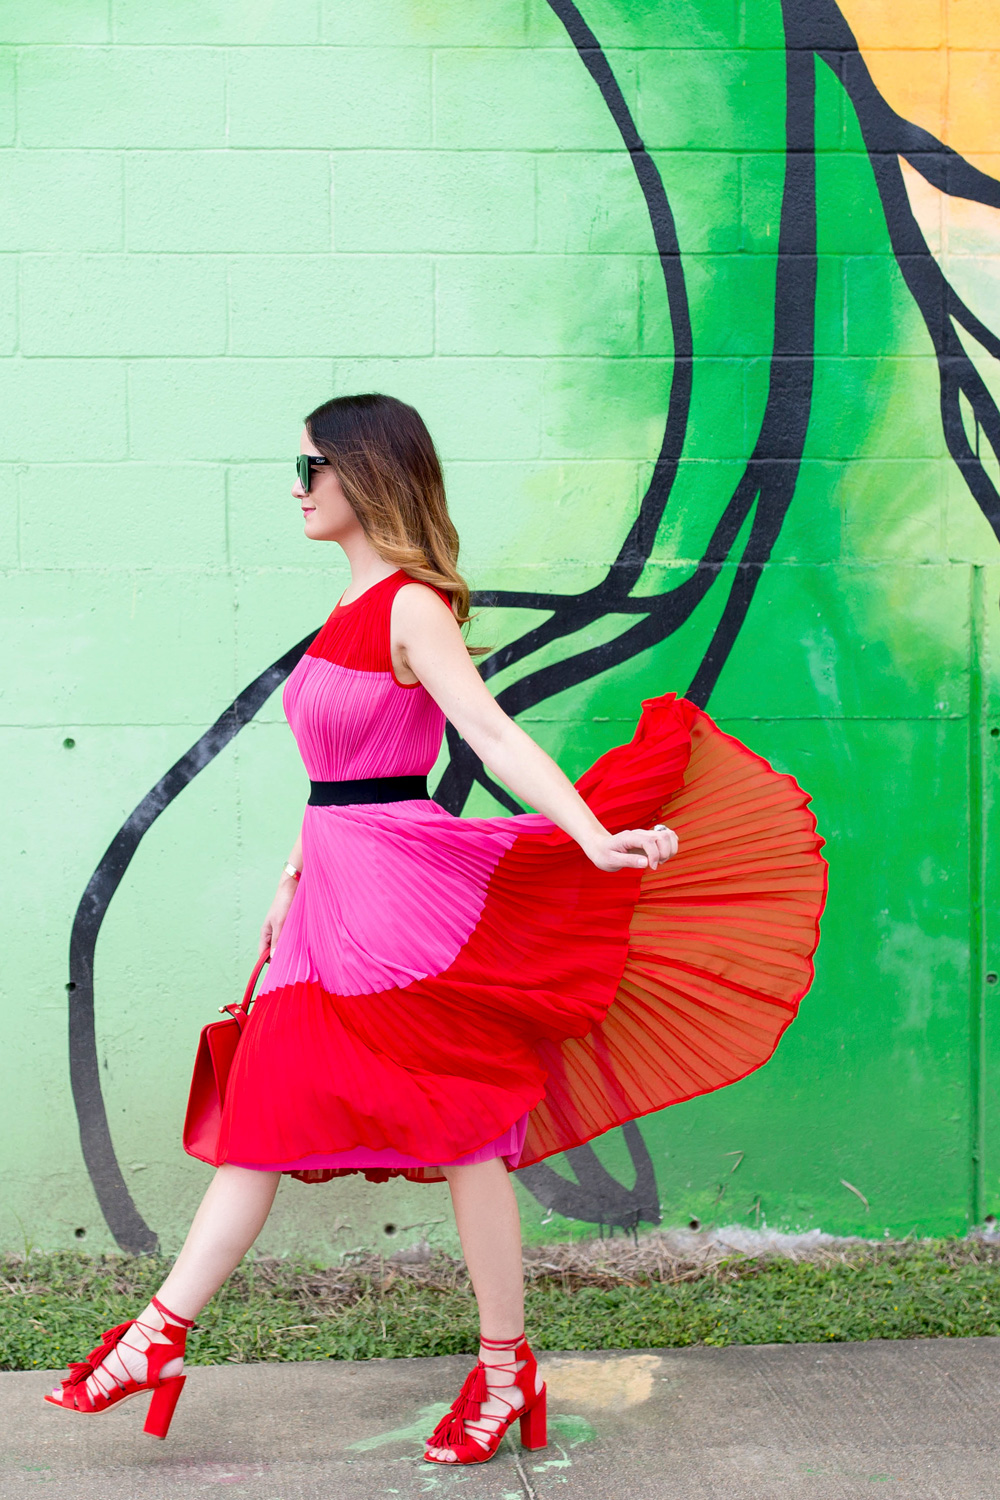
(246, 1179)
(480, 1174)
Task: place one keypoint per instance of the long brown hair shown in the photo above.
(391, 475)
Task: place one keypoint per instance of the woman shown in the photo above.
(452, 997)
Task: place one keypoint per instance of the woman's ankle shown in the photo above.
(499, 1351)
(170, 1316)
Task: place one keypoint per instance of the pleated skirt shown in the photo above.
(449, 989)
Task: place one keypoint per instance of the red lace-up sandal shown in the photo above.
(473, 1437)
(104, 1379)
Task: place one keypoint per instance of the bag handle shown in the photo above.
(244, 1007)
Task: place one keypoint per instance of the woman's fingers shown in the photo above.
(665, 844)
(651, 845)
(630, 850)
(657, 845)
(667, 841)
(636, 849)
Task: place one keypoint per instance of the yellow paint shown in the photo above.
(611, 1384)
(964, 238)
(973, 99)
(944, 78)
(954, 228)
(886, 23)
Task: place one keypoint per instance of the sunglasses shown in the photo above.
(304, 465)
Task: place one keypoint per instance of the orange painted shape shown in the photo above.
(973, 102)
(886, 23)
(945, 78)
(970, 23)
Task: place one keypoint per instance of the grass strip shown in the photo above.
(53, 1307)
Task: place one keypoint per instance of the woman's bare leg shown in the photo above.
(229, 1219)
(489, 1227)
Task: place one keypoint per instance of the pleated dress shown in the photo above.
(449, 989)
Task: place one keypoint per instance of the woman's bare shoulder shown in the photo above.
(420, 604)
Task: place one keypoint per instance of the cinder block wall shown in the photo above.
(726, 236)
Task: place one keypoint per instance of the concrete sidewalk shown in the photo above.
(918, 1420)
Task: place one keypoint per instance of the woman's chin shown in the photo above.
(311, 530)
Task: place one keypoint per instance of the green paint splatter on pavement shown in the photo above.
(572, 1429)
(418, 1430)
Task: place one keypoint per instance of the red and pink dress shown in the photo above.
(449, 989)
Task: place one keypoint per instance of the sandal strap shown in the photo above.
(94, 1367)
(463, 1422)
(171, 1317)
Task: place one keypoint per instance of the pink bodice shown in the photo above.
(349, 713)
(390, 891)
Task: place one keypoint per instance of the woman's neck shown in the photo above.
(367, 567)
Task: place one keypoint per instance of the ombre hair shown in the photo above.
(391, 476)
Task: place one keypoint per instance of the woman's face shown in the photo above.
(326, 510)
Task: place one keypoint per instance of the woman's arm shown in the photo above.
(429, 643)
(283, 897)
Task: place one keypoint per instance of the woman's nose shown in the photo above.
(298, 493)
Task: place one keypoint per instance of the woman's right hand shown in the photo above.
(275, 919)
(636, 848)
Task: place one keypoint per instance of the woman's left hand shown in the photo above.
(635, 849)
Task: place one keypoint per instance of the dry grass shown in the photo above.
(670, 1257)
(667, 1258)
(664, 1289)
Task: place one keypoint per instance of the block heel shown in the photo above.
(534, 1424)
(161, 1408)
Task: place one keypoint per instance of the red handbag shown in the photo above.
(213, 1060)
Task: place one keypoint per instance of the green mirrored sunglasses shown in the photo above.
(304, 465)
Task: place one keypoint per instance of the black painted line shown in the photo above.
(887, 137)
(775, 456)
(958, 376)
(130, 1230)
(571, 613)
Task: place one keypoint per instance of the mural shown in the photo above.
(782, 332)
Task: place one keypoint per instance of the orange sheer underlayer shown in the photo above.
(720, 951)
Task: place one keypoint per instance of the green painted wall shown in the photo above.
(214, 215)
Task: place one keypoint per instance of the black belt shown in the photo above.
(367, 789)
